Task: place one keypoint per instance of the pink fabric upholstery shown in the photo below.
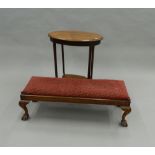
(72, 87)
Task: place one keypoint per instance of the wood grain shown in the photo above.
(75, 100)
(75, 36)
(73, 76)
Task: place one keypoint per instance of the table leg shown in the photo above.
(22, 104)
(126, 110)
(89, 63)
(92, 61)
(63, 59)
(55, 59)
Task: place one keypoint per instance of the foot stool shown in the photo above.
(76, 90)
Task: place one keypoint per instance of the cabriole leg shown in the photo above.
(127, 110)
(22, 104)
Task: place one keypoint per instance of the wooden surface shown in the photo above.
(75, 36)
(123, 104)
(73, 76)
(75, 100)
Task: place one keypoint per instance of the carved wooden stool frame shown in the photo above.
(123, 104)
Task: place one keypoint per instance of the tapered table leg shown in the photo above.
(63, 59)
(55, 59)
(89, 64)
(92, 61)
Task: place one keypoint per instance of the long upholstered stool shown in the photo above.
(75, 90)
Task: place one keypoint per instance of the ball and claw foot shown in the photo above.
(124, 123)
(25, 117)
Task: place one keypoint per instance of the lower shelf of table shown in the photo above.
(74, 76)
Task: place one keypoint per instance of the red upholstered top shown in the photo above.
(72, 87)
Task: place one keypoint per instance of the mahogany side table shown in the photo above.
(75, 38)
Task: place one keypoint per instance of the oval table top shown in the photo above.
(75, 36)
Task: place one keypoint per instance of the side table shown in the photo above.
(75, 38)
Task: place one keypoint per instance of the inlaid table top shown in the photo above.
(75, 36)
